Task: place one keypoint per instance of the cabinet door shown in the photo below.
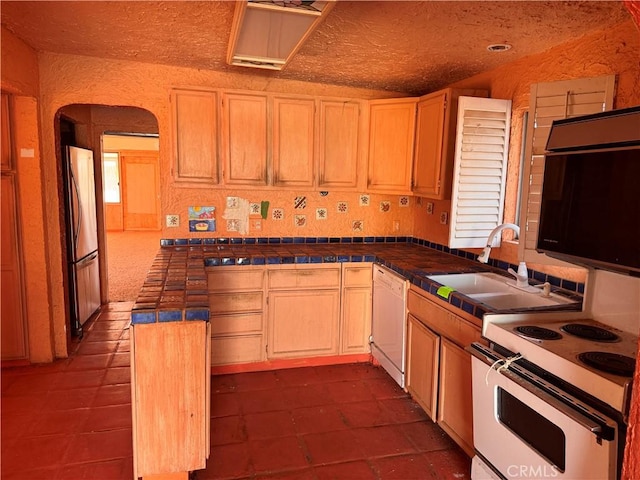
(338, 144)
(356, 319)
(455, 404)
(14, 340)
(195, 124)
(422, 365)
(244, 139)
(293, 142)
(303, 323)
(428, 170)
(391, 135)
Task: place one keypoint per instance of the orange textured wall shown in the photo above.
(20, 78)
(614, 51)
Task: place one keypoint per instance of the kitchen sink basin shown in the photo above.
(470, 283)
(499, 292)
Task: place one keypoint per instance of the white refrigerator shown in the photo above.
(82, 237)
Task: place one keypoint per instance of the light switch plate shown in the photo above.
(430, 208)
(173, 220)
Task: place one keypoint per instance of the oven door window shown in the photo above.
(542, 435)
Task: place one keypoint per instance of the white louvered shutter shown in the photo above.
(553, 101)
(479, 176)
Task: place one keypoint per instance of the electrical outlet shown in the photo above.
(444, 218)
(396, 225)
(173, 220)
(430, 208)
(256, 224)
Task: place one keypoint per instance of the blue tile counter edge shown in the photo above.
(190, 257)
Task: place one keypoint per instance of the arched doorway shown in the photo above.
(84, 126)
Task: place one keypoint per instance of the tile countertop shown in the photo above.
(176, 285)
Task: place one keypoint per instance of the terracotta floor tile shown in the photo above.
(427, 436)
(58, 422)
(276, 454)
(324, 418)
(69, 399)
(107, 470)
(386, 440)
(403, 410)
(22, 405)
(112, 395)
(382, 388)
(99, 446)
(307, 395)
(117, 375)
(123, 346)
(403, 467)
(92, 348)
(227, 461)
(121, 359)
(451, 464)
(28, 474)
(249, 382)
(349, 391)
(14, 426)
(304, 474)
(269, 425)
(112, 324)
(226, 430)
(262, 401)
(109, 417)
(333, 447)
(360, 470)
(298, 376)
(102, 336)
(225, 404)
(90, 362)
(35, 453)
(32, 384)
(365, 414)
(223, 384)
(79, 379)
(353, 371)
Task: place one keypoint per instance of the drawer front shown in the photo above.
(235, 278)
(304, 278)
(228, 350)
(357, 276)
(236, 324)
(442, 321)
(235, 302)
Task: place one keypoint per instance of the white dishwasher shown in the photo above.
(388, 323)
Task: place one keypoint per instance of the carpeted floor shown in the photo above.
(129, 256)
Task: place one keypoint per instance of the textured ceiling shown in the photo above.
(413, 47)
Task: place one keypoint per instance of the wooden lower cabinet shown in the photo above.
(303, 323)
(355, 327)
(455, 406)
(170, 394)
(423, 365)
(439, 369)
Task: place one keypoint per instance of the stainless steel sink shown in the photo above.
(499, 292)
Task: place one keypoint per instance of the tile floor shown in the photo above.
(72, 420)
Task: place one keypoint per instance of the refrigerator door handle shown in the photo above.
(76, 228)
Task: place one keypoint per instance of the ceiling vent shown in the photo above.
(266, 34)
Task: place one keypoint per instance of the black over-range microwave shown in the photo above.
(590, 210)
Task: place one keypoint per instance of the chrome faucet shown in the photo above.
(484, 256)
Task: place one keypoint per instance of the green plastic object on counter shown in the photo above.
(264, 209)
(444, 292)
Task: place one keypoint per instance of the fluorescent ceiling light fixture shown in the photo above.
(266, 34)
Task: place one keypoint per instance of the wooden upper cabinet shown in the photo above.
(338, 144)
(428, 168)
(195, 117)
(435, 142)
(5, 141)
(244, 139)
(391, 135)
(293, 142)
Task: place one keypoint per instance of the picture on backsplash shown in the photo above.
(202, 219)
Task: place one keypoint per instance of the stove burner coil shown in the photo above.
(609, 362)
(590, 332)
(538, 333)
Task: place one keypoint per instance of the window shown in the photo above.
(111, 177)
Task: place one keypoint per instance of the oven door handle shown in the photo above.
(598, 426)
